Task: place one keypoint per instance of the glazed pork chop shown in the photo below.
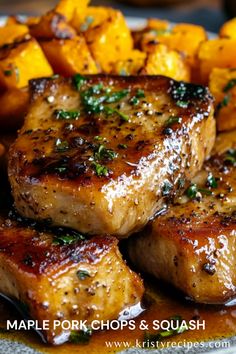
(193, 245)
(61, 276)
(103, 154)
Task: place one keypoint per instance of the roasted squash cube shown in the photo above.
(223, 87)
(90, 17)
(163, 61)
(69, 56)
(52, 25)
(131, 65)
(22, 61)
(68, 8)
(158, 24)
(228, 30)
(185, 38)
(108, 37)
(9, 33)
(216, 53)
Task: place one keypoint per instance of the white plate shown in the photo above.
(12, 347)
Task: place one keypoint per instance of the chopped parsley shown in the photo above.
(98, 137)
(96, 97)
(231, 84)
(83, 274)
(67, 238)
(230, 157)
(116, 96)
(193, 191)
(166, 189)
(224, 102)
(79, 81)
(211, 181)
(61, 146)
(104, 153)
(61, 169)
(135, 99)
(62, 114)
(178, 323)
(110, 111)
(81, 337)
(182, 104)
(100, 170)
(7, 72)
(160, 31)
(173, 120)
(87, 23)
(140, 93)
(122, 146)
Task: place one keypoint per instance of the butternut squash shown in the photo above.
(22, 61)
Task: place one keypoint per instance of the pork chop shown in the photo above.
(103, 154)
(193, 245)
(61, 276)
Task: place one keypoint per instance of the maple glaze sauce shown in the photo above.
(220, 322)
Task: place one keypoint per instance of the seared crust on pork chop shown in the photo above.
(102, 154)
(59, 276)
(193, 246)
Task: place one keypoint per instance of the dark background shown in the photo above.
(209, 13)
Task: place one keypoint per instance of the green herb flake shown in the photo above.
(61, 146)
(204, 191)
(7, 72)
(79, 81)
(230, 157)
(100, 170)
(67, 238)
(109, 110)
(192, 190)
(134, 101)
(211, 181)
(81, 337)
(60, 169)
(123, 72)
(122, 146)
(182, 104)
(140, 93)
(166, 189)
(98, 138)
(104, 153)
(160, 31)
(83, 274)
(62, 114)
(122, 115)
(231, 84)
(87, 23)
(173, 120)
(116, 96)
(180, 326)
(224, 102)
